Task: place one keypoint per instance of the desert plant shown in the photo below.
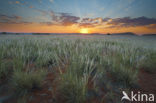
(72, 89)
(24, 82)
(73, 86)
(149, 61)
(5, 69)
(124, 76)
(110, 62)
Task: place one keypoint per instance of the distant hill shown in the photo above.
(98, 34)
(126, 33)
(149, 35)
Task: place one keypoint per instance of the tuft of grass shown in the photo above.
(5, 69)
(72, 89)
(22, 99)
(73, 84)
(112, 97)
(24, 82)
(149, 62)
(124, 76)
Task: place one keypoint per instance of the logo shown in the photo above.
(140, 97)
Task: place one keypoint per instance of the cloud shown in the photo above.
(152, 26)
(67, 19)
(41, 11)
(17, 2)
(30, 6)
(14, 19)
(64, 19)
(5, 18)
(118, 22)
(132, 22)
(40, 1)
(92, 22)
(51, 1)
(20, 3)
(59, 19)
(10, 2)
(102, 9)
(47, 23)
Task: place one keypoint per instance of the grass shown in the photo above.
(148, 62)
(73, 89)
(109, 62)
(24, 82)
(5, 69)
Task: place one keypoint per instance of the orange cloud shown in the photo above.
(67, 23)
(30, 6)
(37, 27)
(17, 2)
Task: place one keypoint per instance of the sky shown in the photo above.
(76, 16)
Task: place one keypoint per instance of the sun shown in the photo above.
(84, 31)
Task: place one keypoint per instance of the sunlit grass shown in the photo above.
(109, 62)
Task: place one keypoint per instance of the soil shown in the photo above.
(46, 94)
(147, 81)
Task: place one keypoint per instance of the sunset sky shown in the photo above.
(76, 16)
